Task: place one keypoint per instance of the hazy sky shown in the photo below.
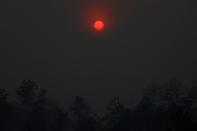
(52, 43)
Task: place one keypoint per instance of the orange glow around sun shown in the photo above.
(99, 25)
(98, 19)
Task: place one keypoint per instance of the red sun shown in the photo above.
(99, 25)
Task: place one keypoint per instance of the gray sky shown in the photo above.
(51, 42)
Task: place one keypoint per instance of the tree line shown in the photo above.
(164, 107)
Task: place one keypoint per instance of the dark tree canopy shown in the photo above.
(167, 107)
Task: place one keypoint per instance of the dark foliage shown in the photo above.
(164, 107)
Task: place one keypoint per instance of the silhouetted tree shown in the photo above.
(172, 99)
(165, 107)
(28, 92)
(118, 117)
(37, 111)
(83, 119)
(80, 108)
(63, 122)
(5, 109)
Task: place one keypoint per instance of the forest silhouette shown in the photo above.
(164, 107)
